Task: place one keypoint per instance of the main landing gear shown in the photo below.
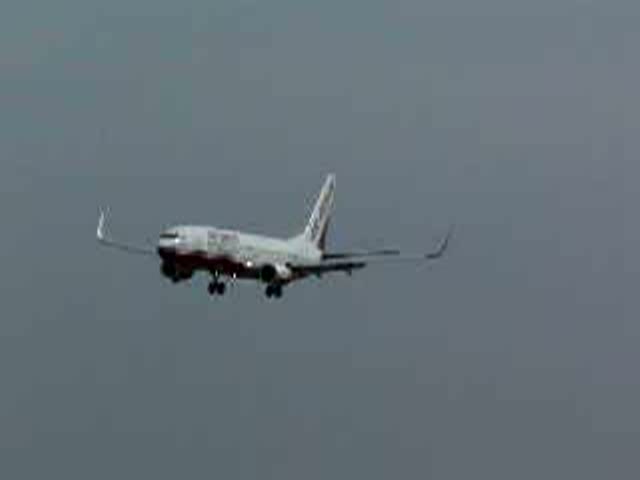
(273, 290)
(217, 288)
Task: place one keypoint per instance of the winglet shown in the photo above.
(442, 246)
(100, 229)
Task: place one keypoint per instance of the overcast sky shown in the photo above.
(516, 357)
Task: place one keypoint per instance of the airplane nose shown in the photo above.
(168, 244)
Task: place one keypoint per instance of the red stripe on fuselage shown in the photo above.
(198, 260)
(220, 264)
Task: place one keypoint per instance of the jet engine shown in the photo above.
(270, 273)
(175, 273)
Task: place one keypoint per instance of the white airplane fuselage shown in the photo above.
(187, 249)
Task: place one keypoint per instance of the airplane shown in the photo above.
(274, 262)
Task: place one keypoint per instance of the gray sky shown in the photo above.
(514, 358)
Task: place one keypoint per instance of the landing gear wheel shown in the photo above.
(274, 291)
(218, 288)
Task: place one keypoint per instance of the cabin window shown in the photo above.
(169, 236)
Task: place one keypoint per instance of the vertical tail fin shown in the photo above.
(316, 230)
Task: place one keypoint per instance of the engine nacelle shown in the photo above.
(271, 273)
(174, 272)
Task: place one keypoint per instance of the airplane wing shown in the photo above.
(104, 239)
(348, 262)
(359, 254)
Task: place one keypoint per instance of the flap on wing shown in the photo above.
(360, 254)
(327, 267)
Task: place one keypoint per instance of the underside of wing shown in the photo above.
(327, 267)
(360, 254)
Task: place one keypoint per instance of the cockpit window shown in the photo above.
(169, 236)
